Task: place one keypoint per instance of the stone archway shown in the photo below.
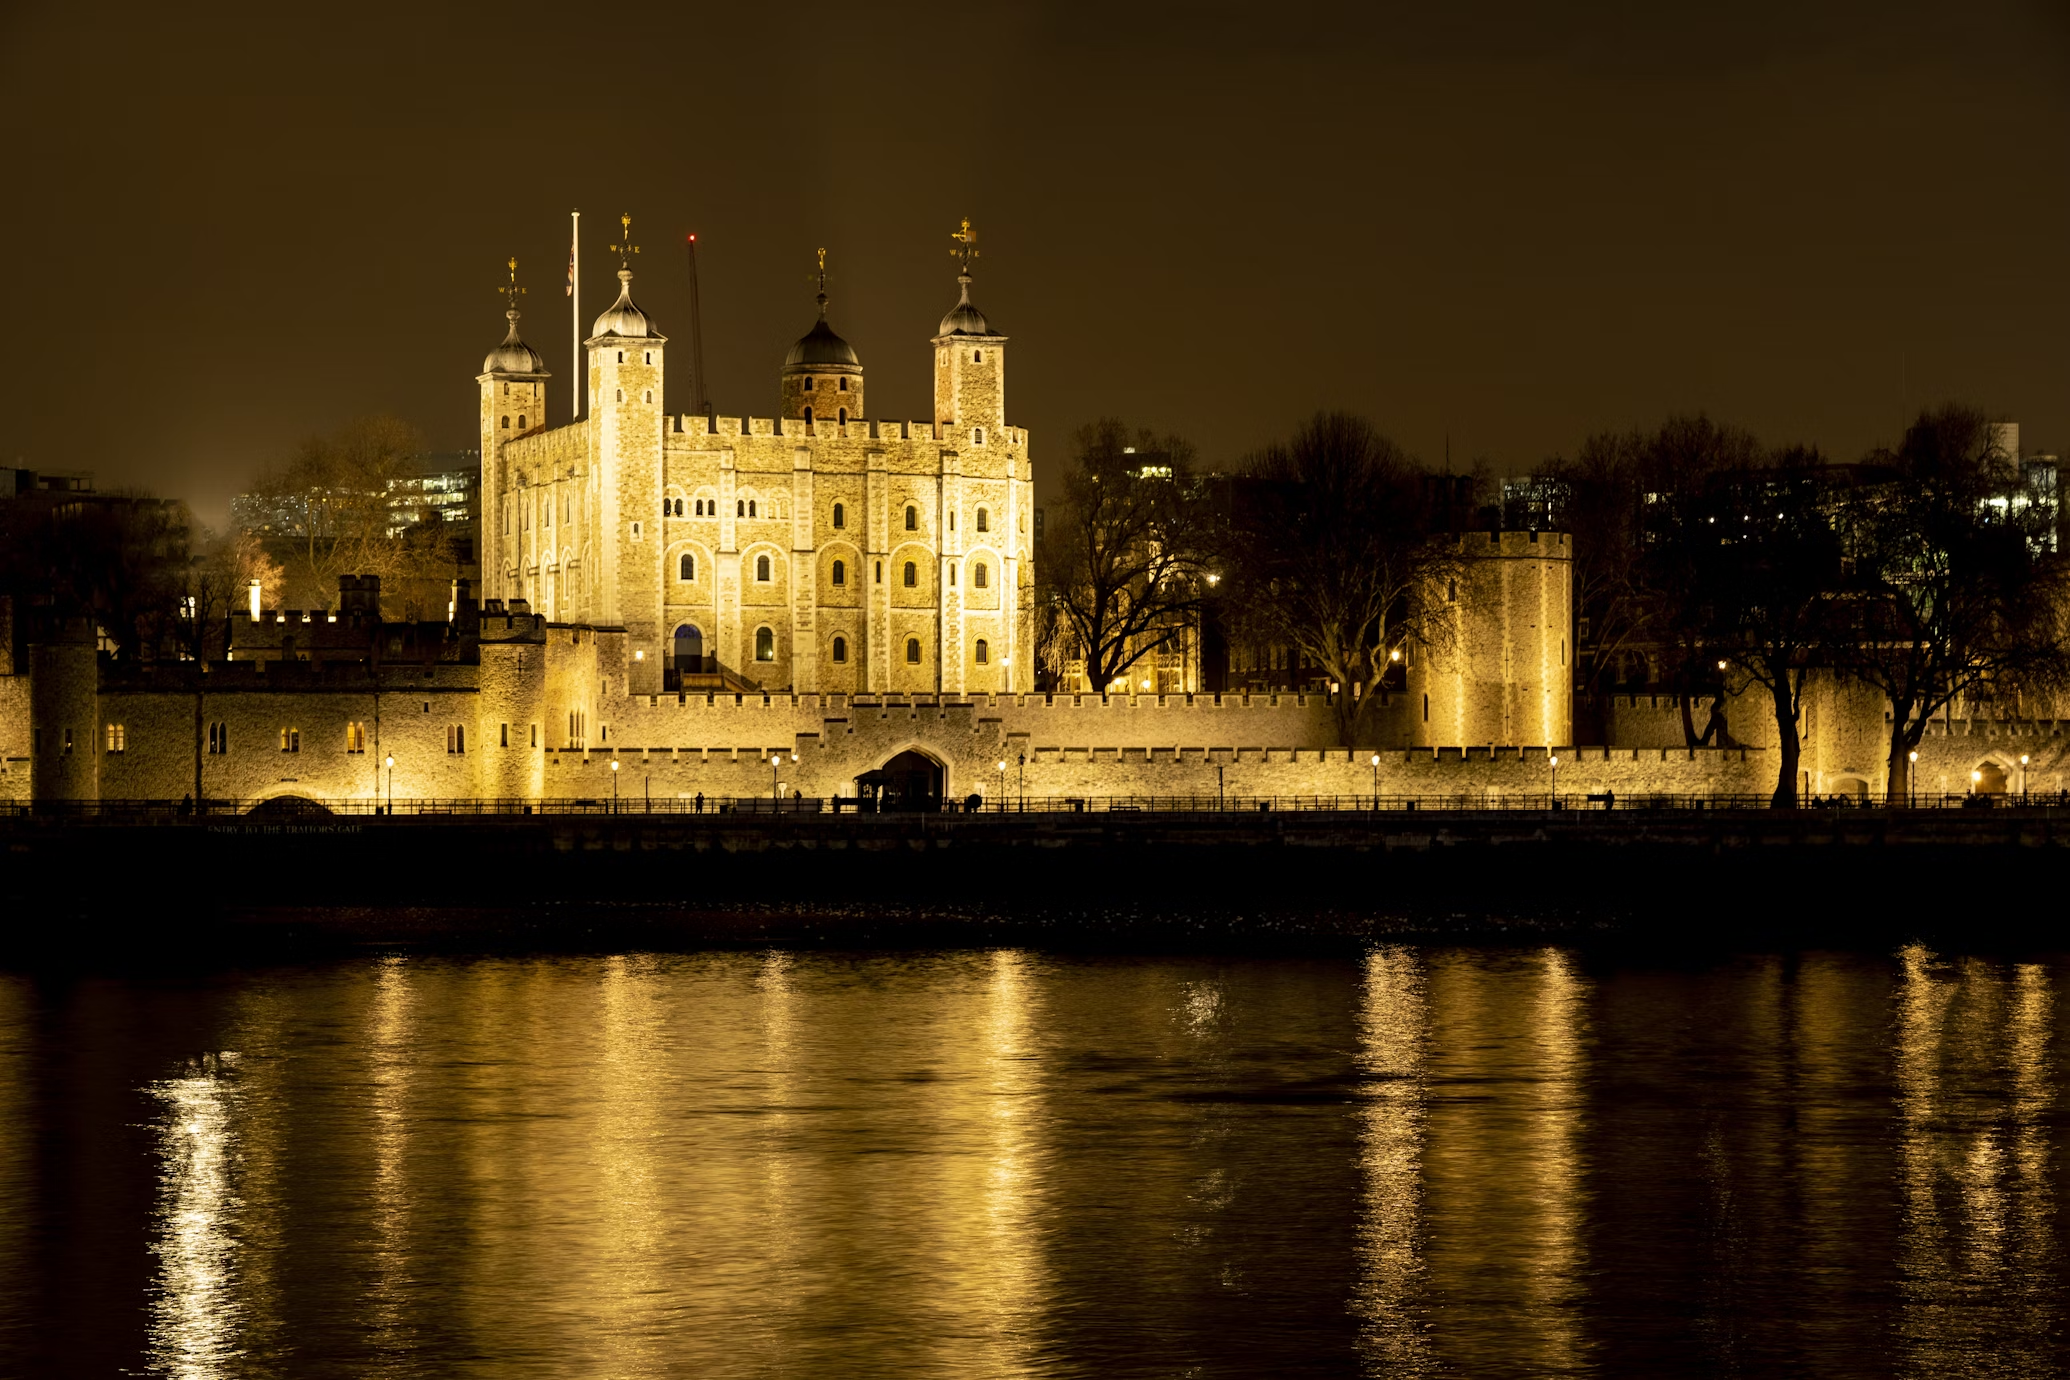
(1989, 778)
(287, 806)
(912, 779)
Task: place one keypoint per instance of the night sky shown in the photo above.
(1509, 224)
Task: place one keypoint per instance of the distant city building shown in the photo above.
(442, 487)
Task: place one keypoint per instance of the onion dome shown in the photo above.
(623, 318)
(513, 356)
(820, 346)
(963, 318)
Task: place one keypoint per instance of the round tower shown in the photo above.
(822, 378)
(619, 547)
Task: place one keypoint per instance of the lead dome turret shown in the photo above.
(822, 378)
(623, 318)
(513, 356)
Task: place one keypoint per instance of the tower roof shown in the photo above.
(964, 318)
(623, 317)
(821, 346)
(513, 356)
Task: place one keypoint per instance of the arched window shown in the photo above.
(840, 517)
(880, 572)
(697, 507)
(912, 519)
(621, 394)
(840, 572)
(808, 415)
(765, 644)
(978, 575)
(808, 385)
(978, 437)
(650, 356)
(649, 397)
(844, 385)
(751, 507)
(689, 648)
(686, 567)
(843, 418)
(762, 569)
(977, 356)
(912, 651)
(506, 423)
(984, 652)
(912, 575)
(952, 574)
(840, 650)
(740, 507)
(521, 421)
(984, 521)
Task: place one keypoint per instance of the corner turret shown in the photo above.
(822, 378)
(969, 362)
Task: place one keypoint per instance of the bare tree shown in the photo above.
(1333, 553)
(1958, 591)
(333, 511)
(1122, 559)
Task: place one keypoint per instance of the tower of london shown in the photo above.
(818, 549)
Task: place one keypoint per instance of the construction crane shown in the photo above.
(698, 389)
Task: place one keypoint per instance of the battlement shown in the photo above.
(1516, 545)
(694, 428)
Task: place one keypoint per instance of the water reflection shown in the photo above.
(1393, 1035)
(196, 1312)
(1420, 1162)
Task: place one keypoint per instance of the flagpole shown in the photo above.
(575, 317)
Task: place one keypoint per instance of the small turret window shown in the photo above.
(977, 438)
(880, 572)
(740, 508)
(808, 385)
(765, 644)
(844, 385)
(648, 396)
(620, 392)
(762, 569)
(840, 517)
(912, 519)
(977, 356)
(913, 651)
(751, 507)
(978, 575)
(686, 567)
(984, 652)
(521, 421)
(952, 575)
(840, 573)
(842, 417)
(621, 356)
(840, 651)
(984, 521)
(650, 360)
(912, 575)
(808, 416)
(506, 423)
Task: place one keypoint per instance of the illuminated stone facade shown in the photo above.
(818, 550)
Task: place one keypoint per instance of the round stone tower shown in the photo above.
(822, 378)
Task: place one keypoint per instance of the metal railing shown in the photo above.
(292, 807)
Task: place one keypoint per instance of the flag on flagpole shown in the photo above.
(571, 268)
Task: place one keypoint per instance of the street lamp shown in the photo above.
(614, 785)
(1556, 782)
(1376, 783)
(1911, 779)
(1976, 782)
(1002, 785)
(2023, 778)
(1024, 783)
(775, 759)
(391, 783)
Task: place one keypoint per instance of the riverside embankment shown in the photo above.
(545, 878)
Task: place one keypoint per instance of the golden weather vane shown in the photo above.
(966, 244)
(513, 292)
(628, 249)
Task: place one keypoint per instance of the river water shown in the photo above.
(1409, 1161)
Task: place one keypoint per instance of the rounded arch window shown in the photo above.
(977, 356)
(686, 567)
(762, 569)
(808, 414)
(521, 421)
(984, 520)
(840, 516)
(506, 423)
(697, 507)
(979, 575)
(912, 518)
(840, 650)
(808, 383)
(840, 572)
(740, 507)
(844, 383)
(978, 437)
(751, 507)
(912, 575)
(984, 652)
(765, 644)
(842, 417)
(912, 651)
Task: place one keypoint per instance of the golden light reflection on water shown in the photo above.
(1393, 1033)
(393, 1058)
(17, 1154)
(196, 1310)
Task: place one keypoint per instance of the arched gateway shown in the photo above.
(910, 781)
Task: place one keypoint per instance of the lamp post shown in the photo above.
(1976, 782)
(1911, 779)
(1002, 785)
(1024, 783)
(614, 785)
(2023, 778)
(1376, 783)
(390, 764)
(775, 758)
(1556, 781)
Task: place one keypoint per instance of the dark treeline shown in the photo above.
(1706, 562)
